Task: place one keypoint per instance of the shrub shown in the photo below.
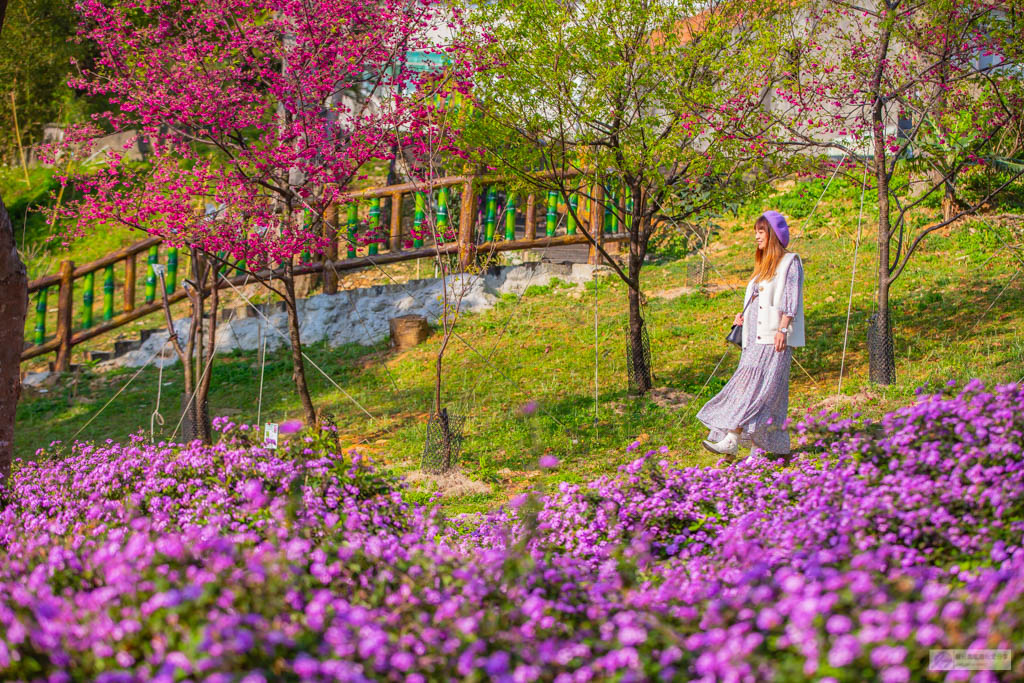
(977, 182)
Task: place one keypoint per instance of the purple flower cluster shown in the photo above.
(230, 562)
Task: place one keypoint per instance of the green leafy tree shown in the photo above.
(36, 55)
(659, 101)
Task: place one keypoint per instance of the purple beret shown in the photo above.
(779, 226)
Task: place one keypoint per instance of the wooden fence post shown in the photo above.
(129, 283)
(65, 301)
(395, 236)
(467, 218)
(530, 217)
(596, 223)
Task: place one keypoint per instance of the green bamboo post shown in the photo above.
(87, 284)
(629, 211)
(40, 316)
(570, 221)
(151, 275)
(442, 213)
(491, 215)
(609, 217)
(108, 293)
(171, 278)
(305, 256)
(419, 213)
(552, 216)
(241, 266)
(374, 224)
(351, 222)
(510, 216)
(615, 207)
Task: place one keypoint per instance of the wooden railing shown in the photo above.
(407, 237)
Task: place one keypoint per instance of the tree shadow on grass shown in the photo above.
(927, 322)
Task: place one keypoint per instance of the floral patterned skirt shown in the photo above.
(755, 400)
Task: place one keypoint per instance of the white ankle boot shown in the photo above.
(730, 445)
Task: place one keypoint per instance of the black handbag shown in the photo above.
(735, 335)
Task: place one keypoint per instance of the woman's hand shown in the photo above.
(738, 320)
(780, 341)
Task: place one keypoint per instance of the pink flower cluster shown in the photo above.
(263, 110)
(157, 562)
(935, 80)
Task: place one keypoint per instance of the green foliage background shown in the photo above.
(36, 53)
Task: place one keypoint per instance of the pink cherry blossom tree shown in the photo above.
(898, 86)
(265, 109)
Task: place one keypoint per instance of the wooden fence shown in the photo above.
(474, 231)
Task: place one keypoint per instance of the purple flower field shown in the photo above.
(881, 541)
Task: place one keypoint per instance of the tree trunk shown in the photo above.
(188, 364)
(437, 378)
(441, 415)
(881, 357)
(202, 403)
(13, 308)
(298, 366)
(640, 370)
(190, 416)
(195, 405)
(882, 361)
(950, 204)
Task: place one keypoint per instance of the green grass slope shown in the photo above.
(957, 311)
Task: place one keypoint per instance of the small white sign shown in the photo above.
(969, 660)
(270, 435)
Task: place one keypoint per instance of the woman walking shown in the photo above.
(751, 408)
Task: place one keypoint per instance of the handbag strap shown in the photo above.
(747, 305)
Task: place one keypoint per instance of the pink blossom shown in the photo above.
(290, 426)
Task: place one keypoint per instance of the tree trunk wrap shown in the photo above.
(196, 419)
(881, 358)
(641, 372)
(13, 309)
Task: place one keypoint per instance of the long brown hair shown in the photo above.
(767, 260)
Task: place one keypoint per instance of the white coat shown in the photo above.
(769, 297)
